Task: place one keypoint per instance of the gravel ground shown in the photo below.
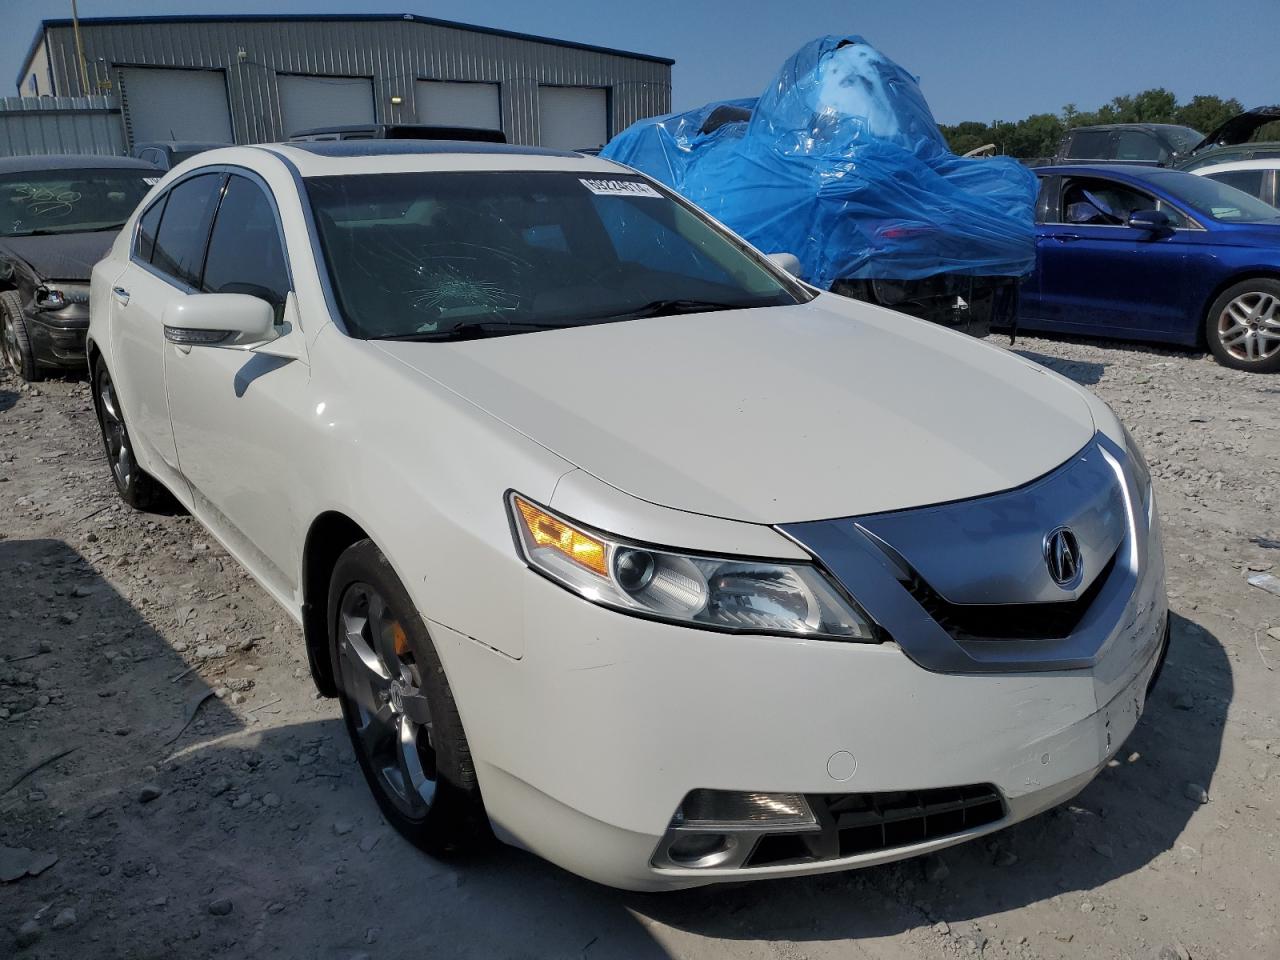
(249, 832)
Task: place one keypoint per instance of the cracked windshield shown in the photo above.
(440, 256)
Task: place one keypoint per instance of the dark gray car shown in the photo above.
(58, 217)
(167, 154)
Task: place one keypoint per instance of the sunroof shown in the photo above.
(384, 148)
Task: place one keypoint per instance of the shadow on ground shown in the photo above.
(1083, 372)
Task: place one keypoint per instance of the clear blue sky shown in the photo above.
(980, 60)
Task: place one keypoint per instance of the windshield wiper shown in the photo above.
(474, 330)
(669, 307)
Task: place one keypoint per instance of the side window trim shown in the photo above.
(160, 201)
(213, 222)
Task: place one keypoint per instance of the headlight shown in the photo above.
(721, 593)
(1141, 471)
(55, 298)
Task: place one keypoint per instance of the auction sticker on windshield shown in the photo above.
(619, 188)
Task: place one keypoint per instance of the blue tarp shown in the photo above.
(842, 164)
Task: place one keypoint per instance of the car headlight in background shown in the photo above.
(722, 593)
(59, 296)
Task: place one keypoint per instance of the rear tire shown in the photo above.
(398, 707)
(136, 487)
(15, 343)
(1242, 327)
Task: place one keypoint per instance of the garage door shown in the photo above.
(453, 104)
(167, 104)
(307, 102)
(573, 117)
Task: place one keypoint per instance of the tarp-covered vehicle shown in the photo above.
(841, 163)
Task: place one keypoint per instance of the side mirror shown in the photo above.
(223, 319)
(1155, 221)
(786, 261)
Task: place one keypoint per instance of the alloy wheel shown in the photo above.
(382, 681)
(9, 343)
(119, 449)
(1249, 327)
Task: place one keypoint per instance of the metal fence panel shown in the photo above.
(38, 126)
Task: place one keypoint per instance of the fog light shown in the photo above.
(701, 849)
(735, 808)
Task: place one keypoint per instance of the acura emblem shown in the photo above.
(1062, 555)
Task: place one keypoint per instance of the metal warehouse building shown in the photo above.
(253, 79)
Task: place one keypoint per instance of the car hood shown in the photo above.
(1239, 128)
(68, 256)
(773, 415)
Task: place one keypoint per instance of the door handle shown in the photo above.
(121, 294)
(1066, 237)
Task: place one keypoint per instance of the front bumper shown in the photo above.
(58, 336)
(586, 746)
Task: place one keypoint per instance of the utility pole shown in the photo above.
(84, 67)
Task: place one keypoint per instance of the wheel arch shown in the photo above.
(329, 535)
(1238, 276)
(92, 356)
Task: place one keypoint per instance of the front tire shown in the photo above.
(15, 342)
(398, 707)
(1243, 326)
(136, 487)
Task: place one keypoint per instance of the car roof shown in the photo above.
(1106, 169)
(338, 157)
(71, 161)
(1161, 178)
(1131, 126)
(1259, 163)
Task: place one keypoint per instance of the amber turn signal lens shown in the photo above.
(547, 531)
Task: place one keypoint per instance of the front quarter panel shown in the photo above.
(425, 473)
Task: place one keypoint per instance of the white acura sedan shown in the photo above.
(612, 537)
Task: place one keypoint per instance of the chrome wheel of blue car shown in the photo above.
(1250, 326)
(1243, 326)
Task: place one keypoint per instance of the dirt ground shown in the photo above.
(251, 834)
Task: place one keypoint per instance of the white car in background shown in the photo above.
(1258, 178)
(611, 536)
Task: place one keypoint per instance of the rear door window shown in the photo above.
(1139, 145)
(1090, 145)
(1250, 181)
(246, 253)
(184, 228)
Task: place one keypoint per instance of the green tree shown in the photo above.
(1205, 112)
(1038, 135)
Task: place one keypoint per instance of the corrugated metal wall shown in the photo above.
(394, 53)
(38, 126)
